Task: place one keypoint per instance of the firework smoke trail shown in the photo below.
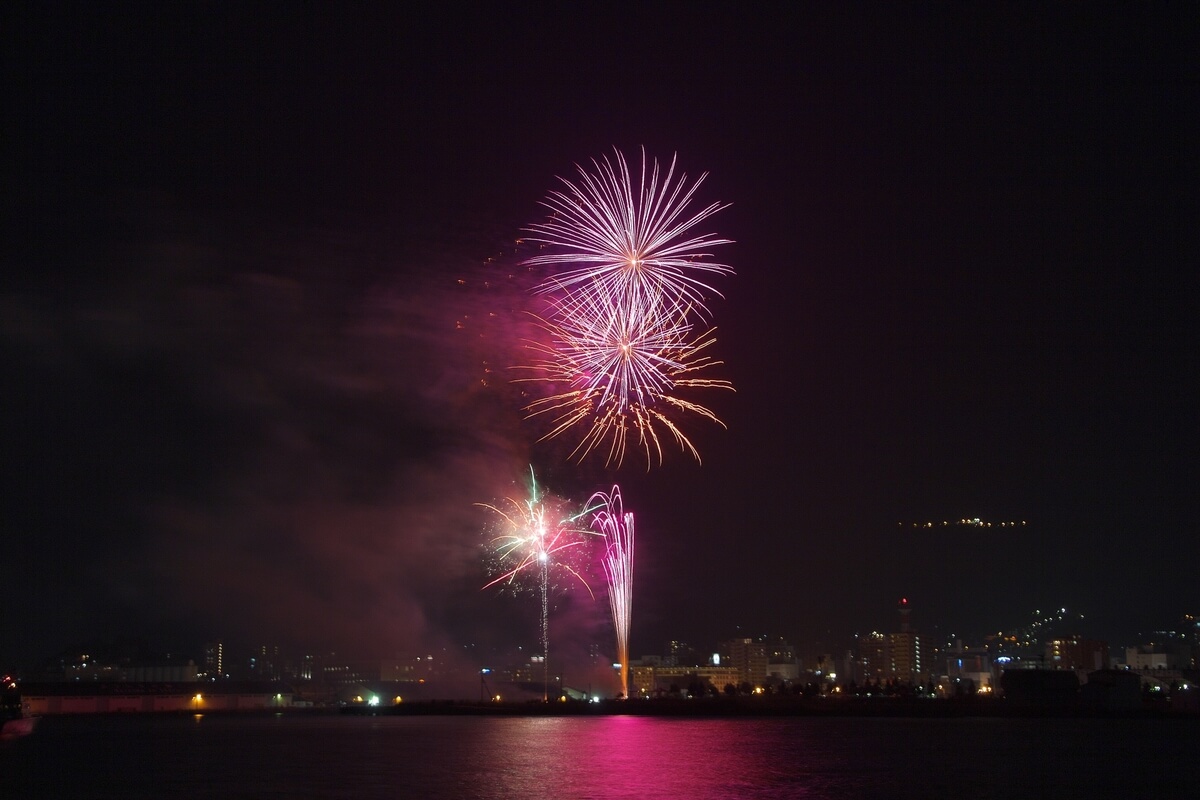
(617, 527)
(535, 532)
(622, 343)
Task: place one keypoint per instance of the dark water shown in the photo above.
(319, 756)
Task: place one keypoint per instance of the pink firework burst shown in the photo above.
(623, 351)
(608, 235)
(621, 372)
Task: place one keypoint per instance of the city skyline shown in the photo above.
(221, 657)
(262, 290)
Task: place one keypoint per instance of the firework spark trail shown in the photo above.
(536, 533)
(617, 527)
(622, 343)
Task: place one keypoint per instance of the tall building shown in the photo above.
(904, 648)
(267, 663)
(904, 654)
(1075, 652)
(782, 663)
(748, 657)
(679, 654)
(891, 656)
(214, 660)
(873, 661)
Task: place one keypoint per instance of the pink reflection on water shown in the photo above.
(640, 757)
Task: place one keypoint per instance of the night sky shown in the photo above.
(247, 312)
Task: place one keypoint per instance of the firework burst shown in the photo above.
(606, 234)
(622, 347)
(620, 373)
(538, 536)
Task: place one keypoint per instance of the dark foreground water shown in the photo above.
(437, 758)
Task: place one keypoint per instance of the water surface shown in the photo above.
(485, 758)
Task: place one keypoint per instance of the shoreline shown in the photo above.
(884, 707)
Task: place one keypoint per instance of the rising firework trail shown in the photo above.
(616, 525)
(623, 348)
(533, 535)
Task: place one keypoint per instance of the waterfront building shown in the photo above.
(748, 657)
(1075, 652)
(873, 663)
(111, 697)
(1161, 655)
(891, 656)
(214, 660)
(650, 681)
